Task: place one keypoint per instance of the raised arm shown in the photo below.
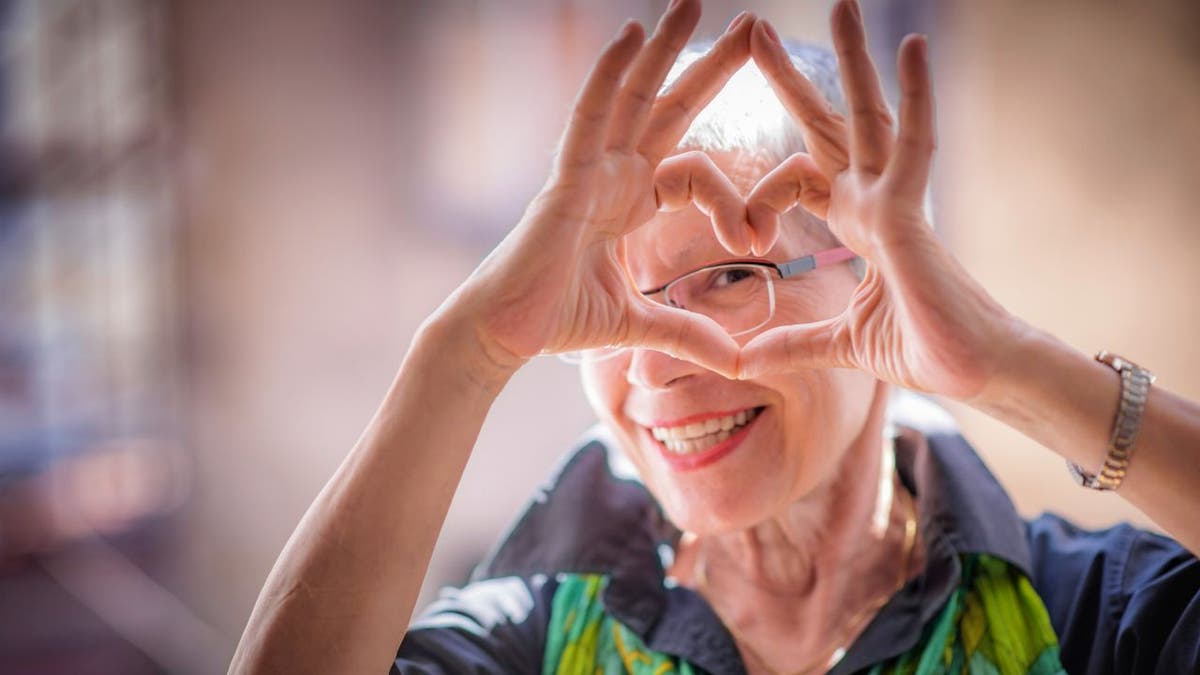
(1067, 401)
(341, 594)
(918, 319)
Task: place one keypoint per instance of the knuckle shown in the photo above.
(875, 112)
(919, 144)
(691, 156)
(667, 46)
(639, 97)
(678, 107)
(608, 75)
(586, 116)
(672, 185)
(797, 164)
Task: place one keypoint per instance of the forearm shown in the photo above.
(1067, 401)
(342, 591)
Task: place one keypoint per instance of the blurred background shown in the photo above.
(222, 222)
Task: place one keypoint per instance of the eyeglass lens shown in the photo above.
(738, 297)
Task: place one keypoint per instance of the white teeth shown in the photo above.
(701, 435)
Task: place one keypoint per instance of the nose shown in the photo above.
(652, 369)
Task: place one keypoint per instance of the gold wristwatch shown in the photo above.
(1135, 386)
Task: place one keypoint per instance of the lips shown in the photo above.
(694, 442)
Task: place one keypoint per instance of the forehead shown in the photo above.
(673, 243)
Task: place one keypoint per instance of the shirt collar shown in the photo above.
(594, 516)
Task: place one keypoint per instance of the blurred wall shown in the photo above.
(1068, 175)
(309, 135)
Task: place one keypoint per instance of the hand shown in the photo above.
(558, 281)
(917, 319)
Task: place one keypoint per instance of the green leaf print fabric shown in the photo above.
(994, 623)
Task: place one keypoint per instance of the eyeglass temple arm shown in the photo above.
(819, 259)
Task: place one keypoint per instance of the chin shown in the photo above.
(718, 511)
(735, 482)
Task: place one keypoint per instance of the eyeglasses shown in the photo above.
(739, 295)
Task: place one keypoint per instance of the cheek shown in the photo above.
(607, 389)
(605, 386)
(822, 414)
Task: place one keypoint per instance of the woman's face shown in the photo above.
(788, 431)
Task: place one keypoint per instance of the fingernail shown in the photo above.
(737, 21)
(854, 9)
(672, 5)
(771, 32)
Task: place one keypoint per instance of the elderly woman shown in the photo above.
(759, 500)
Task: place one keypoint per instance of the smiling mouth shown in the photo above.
(701, 436)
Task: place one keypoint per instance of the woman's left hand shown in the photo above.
(918, 319)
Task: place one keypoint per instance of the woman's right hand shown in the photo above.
(558, 281)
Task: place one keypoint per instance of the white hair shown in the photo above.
(746, 114)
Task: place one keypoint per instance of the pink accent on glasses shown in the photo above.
(834, 256)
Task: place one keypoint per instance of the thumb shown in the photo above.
(683, 334)
(785, 348)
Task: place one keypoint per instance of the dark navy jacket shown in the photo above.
(1122, 600)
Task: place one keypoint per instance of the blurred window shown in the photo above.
(89, 359)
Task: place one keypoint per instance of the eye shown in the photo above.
(731, 276)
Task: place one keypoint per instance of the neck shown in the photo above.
(844, 520)
(802, 581)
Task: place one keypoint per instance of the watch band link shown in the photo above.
(1135, 387)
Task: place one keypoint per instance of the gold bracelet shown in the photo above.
(1135, 386)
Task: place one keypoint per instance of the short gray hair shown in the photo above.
(746, 114)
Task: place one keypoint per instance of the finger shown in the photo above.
(693, 178)
(648, 72)
(789, 348)
(797, 180)
(870, 119)
(582, 140)
(909, 167)
(823, 128)
(675, 110)
(685, 335)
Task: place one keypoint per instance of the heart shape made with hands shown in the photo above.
(743, 225)
(863, 174)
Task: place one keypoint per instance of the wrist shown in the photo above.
(1055, 394)
(1020, 352)
(450, 339)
